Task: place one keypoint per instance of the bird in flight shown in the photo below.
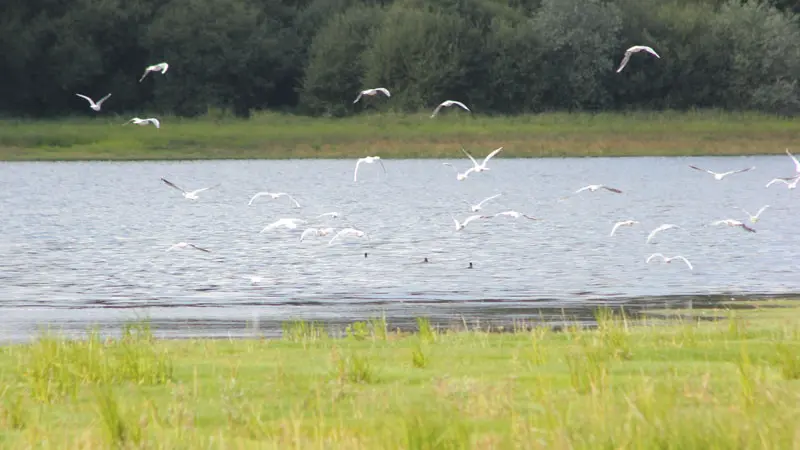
(796, 162)
(447, 104)
(92, 104)
(659, 229)
(348, 232)
(191, 195)
(476, 208)
(594, 187)
(624, 223)
(160, 67)
(367, 160)
(790, 183)
(460, 225)
(315, 232)
(187, 245)
(460, 176)
(273, 195)
(515, 215)
(143, 122)
(372, 92)
(287, 223)
(476, 167)
(754, 218)
(669, 260)
(720, 176)
(631, 51)
(733, 223)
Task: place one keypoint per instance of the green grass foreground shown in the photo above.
(658, 383)
(276, 136)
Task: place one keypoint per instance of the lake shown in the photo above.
(84, 243)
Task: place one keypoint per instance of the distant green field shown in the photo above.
(275, 136)
(666, 382)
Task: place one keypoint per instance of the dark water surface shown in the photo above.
(83, 243)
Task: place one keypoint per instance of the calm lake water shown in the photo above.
(83, 243)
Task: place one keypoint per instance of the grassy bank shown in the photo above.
(730, 383)
(399, 136)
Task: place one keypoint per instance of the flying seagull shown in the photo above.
(733, 223)
(191, 195)
(315, 232)
(514, 214)
(273, 195)
(720, 176)
(348, 232)
(160, 67)
(92, 104)
(661, 228)
(460, 176)
(796, 162)
(631, 51)
(790, 183)
(624, 223)
(287, 223)
(669, 260)
(187, 245)
(754, 218)
(143, 122)
(367, 160)
(372, 92)
(460, 226)
(447, 104)
(476, 208)
(594, 187)
(482, 166)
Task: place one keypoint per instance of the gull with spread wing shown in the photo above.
(347, 232)
(191, 195)
(460, 225)
(514, 214)
(367, 160)
(187, 245)
(372, 92)
(482, 166)
(624, 223)
(790, 183)
(594, 187)
(447, 104)
(796, 162)
(92, 104)
(286, 223)
(143, 122)
(669, 260)
(160, 67)
(273, 195)
(733, 223)
(315, 232)
(476, 208)
(720, 176)
(754, 218)
(666, 226)
(631, 51)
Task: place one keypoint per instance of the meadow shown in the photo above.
(282, 136)
(723, 378)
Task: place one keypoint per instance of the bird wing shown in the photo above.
(471, 218)
(172, 185)
(475, 163)
(103, 99)
(612, 189)
(355, 173)
(292, 199)
(346, 230)
(750, 229)
(436, 111)
(461, 105)
(684, 260)
(655, 255)
(775, 180)
(583, 189)
(87, 98)
(164, 67)
(487, 199)
(155, 122)
(651, 51)
(490, 155)
(385, 91)
(309, 231)
(384, 167)
(358, 98)
(760, 210)
(614, 229)
(146, 71)
(259, 194)
(199, 248)
(796, 162)
(624, 61)
(197, 191)
(741, 170)
(702, 170)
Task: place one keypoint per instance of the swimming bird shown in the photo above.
(790, 183)
(624, 223)
(460, 176)
(349, 232)
(191, 195)
(273, 195)
(669, 260)
(661, 228)
(476, 208)
(372, 92)
(482, 166)
(447, 104)
(92, 104)
(160, 67)
(515, 215)
(286, 223)
(315, 232)
(796, 162)
(720, 176)
(733, 223)
(460, 226)
(143, 122)
(470, 266)
(425, 260)
(594, 187)
(631, 51)
(367, 160)
(187, 245)
(754, 218)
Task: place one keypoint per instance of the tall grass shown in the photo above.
(627, 383)
(272, 135)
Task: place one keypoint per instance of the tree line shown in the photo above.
(314, 56)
